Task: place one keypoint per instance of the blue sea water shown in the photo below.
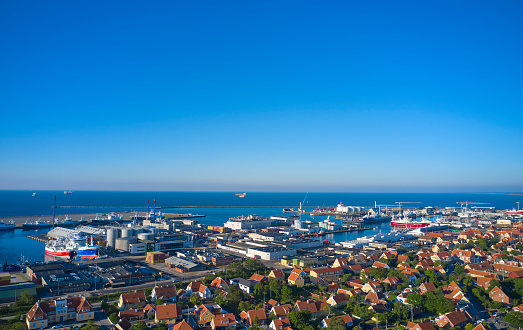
(13, 244)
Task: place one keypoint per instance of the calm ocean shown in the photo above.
(13, 244)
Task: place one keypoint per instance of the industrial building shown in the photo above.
(251, 249)
(183, 266)
(248, 222)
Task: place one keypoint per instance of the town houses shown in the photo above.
(446, 284)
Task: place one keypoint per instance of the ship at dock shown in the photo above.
(38, 224)
(375, 216)
(68, 222)
(410, 223)
(7, 226)
(69, 247)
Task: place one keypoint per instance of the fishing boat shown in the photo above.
(83, 249)
(68, 222)
(61, 248)
(7, 226)
(242, 195)
(36, 225)
(34, 194)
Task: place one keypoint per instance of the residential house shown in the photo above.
(373, 286)
(482, 266)
(296, 279)
(205, 313)
(326, 275)
(259, 278)
(345, 317)
(338, 300)
(378, 264)
(167, 294)
(250, 316)
(246, 286)
(132, 300)
(224, 322)
(313, 306)
(341, 262)
(123, 324)
(135, 314)
(276, 274)
(465, 255)
(427, 287)
(373, 298)
(393, 281)
(283, 324)
(168, 313)
(497, 294)
(452, 320)
(57, 311)
(402, 297)
(199, 289)
(220, 284)
(281, 311)
(182, 326)
(427, 325)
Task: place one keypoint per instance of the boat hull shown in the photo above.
(26, 226)
(409, 224)
(58, 254)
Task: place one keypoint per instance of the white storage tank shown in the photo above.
(127, 232)
(146, 236)
(112, 235)
(122, 244)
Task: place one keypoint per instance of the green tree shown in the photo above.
(347, 277)
(415, 299)
(459, 270)
(139, 326)
(255, 320)
(259, 290)
(381, 317)
(219, 299)
(286, 294)
(469, 326)
(195, 299)
(114, 318)
(337, 323)
(159, 301)
(401, 311)
(299, 320)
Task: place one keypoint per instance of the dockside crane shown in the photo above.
(401, 203)
(467, 204)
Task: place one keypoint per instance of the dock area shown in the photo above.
(40, 238)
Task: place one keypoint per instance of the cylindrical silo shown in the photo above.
(127, 232)
(146, 236)
(112, 235)
(122, 244)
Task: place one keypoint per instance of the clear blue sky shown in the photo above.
(262, 95)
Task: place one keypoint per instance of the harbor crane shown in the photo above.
(467, 204)
(400, 203)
